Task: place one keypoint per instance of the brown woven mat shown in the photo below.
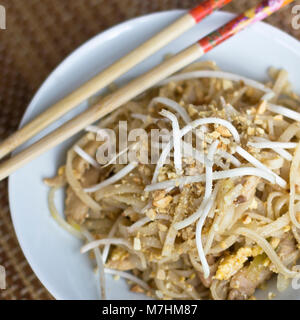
(39, 34)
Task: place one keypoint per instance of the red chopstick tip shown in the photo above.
(258, 13)
(206, 8)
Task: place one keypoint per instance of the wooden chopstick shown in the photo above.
(110, 74)
(140, 84)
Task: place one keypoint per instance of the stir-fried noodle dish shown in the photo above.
(202, 201)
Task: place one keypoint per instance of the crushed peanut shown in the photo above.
(247, 220)
(151, 214)
(162, 203)
(224, 132)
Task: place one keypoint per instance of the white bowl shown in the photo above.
(54, 254)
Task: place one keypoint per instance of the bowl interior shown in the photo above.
(54, 254)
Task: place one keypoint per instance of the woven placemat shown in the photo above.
(39, 35)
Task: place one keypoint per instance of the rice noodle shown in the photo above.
(280, 83)
(279, 205)
(117, 189)
(271, 196)
(290, 132)
(219, 289)
(277, 225)
(226, 244)
(216, 74)
(296, 234)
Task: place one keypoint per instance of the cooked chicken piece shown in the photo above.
(75, 209)
(90, 177)
(286, 248)
(245, 282)
(59, 181)
(79, 164)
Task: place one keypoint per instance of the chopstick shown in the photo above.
(110, 74)
(142, 83)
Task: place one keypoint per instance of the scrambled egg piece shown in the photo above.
(234, 262)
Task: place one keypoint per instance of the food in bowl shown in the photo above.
(201, 200)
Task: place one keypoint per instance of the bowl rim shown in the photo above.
(283, 38)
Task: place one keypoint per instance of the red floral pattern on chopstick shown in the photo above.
(206, 8)
(260, 12)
